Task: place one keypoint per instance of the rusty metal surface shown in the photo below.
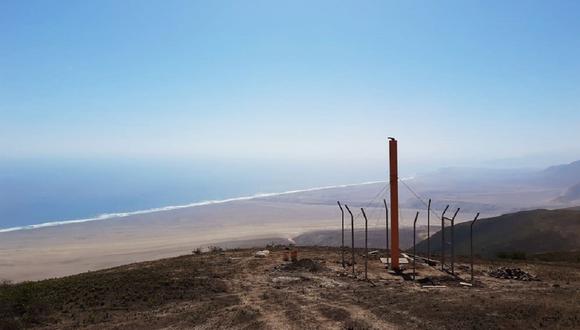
(394, 182)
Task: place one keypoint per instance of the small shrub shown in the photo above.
(215, 249)
(516, 255)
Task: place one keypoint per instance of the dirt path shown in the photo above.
(235, 290)
(294, 299)
(329, 298)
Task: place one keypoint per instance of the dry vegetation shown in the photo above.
(233, 289)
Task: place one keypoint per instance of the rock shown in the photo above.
(262, 254)
(328, 283)
(512, 274)
(285, 279)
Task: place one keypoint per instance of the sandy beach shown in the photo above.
(74, 248)
(61, 250)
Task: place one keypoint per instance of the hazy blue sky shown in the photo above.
(296, 80)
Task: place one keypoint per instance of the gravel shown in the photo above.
(512, 274)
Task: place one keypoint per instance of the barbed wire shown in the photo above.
(385, 187)
(376, 209)
(420, 198)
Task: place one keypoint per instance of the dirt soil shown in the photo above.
(235, 290)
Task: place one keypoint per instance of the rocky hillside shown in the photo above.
(376, 237)
(571, 195)
(522, 233)
(235, 290)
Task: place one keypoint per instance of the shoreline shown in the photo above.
(108, 216)
(57, 250)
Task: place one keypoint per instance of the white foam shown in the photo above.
(175, 207)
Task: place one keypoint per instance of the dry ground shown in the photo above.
(235, 290)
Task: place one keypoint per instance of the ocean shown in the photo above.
(39, 192)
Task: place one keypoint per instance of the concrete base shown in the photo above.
(402, 261)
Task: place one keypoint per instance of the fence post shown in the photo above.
(387, 226)
(443, 238)
(352, 237)
(366, 244)
(342, 242)
(415, 244)
(429, 230)
(453, 242)
(471, 243)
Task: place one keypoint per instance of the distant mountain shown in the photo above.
(464, 177)
(572, 194)
(529, 232)
(468, 178)
(560, 175)
(498, 191)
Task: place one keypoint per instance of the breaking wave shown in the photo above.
(175, 207)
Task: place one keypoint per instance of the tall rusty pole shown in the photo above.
(352, 237)
(394, 180)
(387, 226)
(342, 242)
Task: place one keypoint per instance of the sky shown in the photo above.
(457, 82)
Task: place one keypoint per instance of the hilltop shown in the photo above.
(235, 290)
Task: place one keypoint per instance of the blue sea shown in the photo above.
(39, 191)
